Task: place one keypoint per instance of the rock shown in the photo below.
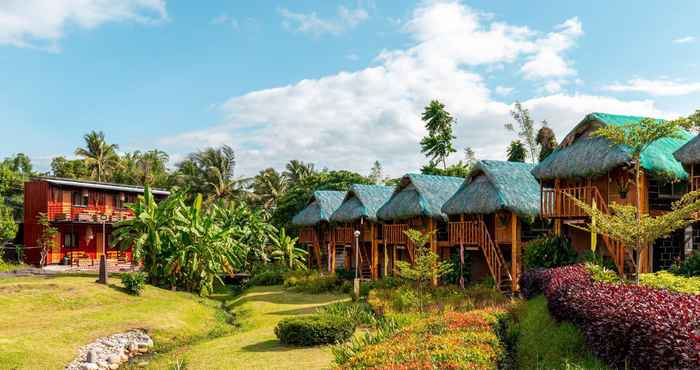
(91, 357)
(89, 366)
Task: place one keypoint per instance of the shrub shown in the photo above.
(669, 281)
(360, 313)
(313, 282)
(549, 251)
(599, 273)
(452, 340)
(344, 274)
(134, 282)
(314, 330)
(531, 282)
(269, 277)
(689, 267)
(627, 326)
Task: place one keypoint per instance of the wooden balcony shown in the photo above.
(394, 234)
(558, 203)
(343, 235)
(694, 183)
(91, 214)
(465, 232)
(307, 236)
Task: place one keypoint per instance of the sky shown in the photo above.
(338, 84)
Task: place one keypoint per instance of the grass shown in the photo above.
(7, 267)
(545, 344)
(254, 345)
(44, 320)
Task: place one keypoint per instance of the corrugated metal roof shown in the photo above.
(100, 185)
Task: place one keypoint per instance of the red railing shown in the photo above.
(67, 212)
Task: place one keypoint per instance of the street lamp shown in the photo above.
(356, 282)
(103, 258)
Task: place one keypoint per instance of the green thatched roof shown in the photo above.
(497, 185)
(362, 201)
(321, 206)
(580, 155)
(690, 152)
(420, 195)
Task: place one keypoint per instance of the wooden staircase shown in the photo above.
(620, 255)
(365, 270)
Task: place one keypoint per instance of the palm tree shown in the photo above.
(438, 144)
(516, 151)
(152, 166)
(297, 170)
(268, 187)
(211, 171)
(98, 155)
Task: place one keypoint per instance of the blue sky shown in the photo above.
(340, 84)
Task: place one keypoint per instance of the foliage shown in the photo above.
(459, 169)
(287, 251)
(600, 273)
(546, 140)
(438, 144)
(689, 267)
(376, 174)
(516, 151)
(457, 270)
(46, 238)
(8, 227)
(671, 282)
(188, 245)
(14, 171)
(359, 313)
(627, 326)
(296, 171)
(134, 282)
(142, 168)
(591, 257)
(426, 268)
(100, 157)
(549, 251)
(403, 299)
(268, 187)
(636, 230)
(525, 130)
(314, 330)
(384, 329)
(543, 343)
(636, 138)
(69, 168)
(267, 278)
(452, 340)
(313, 282)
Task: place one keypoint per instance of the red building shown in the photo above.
(80, 210)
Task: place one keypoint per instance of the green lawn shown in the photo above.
(254, 345)
(545, 344)
(44, 320)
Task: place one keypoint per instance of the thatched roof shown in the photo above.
(362, 201)
(690, 152)
(419, 195)
(497, 185)
(580, 155)
(320, 208)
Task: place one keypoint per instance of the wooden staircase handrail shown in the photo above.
(494, 257)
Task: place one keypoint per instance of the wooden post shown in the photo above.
(375, 254)
(433, 244)
(514, 250)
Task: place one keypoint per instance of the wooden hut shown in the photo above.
(492, 214)
(359, 212)
(689, 156)
(415, 204)
(590, 168)
(315, 230)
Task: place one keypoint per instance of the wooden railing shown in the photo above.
(464, 232)
(558, 202)
(494, 257)
(695, 183)
(343, 235)
(307, 236)
(67, 212)
(394, 234)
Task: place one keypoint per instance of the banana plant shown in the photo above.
(287, 251)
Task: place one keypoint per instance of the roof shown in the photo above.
(419, 195)
(689, 153)
(497, 185)
(99, 185)
(362, 201)
(580, 155)
(320, 208)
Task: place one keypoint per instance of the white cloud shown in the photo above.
(349, 119)
(313, 24)
(548, 61)
(660, 87)
(225, 19)
(503, 90)
(684, 40)
(352, 56)
(42, 23)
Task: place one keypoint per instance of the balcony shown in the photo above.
(343, 235)
(90, 214)
(307, 236)
(558, 203)
(394, 234)
(465, 232)
(695, 183)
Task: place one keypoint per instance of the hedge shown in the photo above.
(314, 330)
(627, 326)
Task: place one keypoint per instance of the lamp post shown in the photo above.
(356, 282)
(103, 258)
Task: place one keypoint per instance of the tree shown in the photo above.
(287, 251)
(99, 156)
(525, 130)
(459, 169)
(427, 267)
(211, 172)
(14, 171)
(637, 231)
(438, 144)
(296, 171)
(268, 187)
(637, 137)
(546, 140)
(376, 174)
(46, 237)
(152, 167)
(69, 168)
(516, 151)
(8, 226)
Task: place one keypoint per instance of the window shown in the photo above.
(78, 200)
(70, 240)
(117, 201)
(669, 190)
